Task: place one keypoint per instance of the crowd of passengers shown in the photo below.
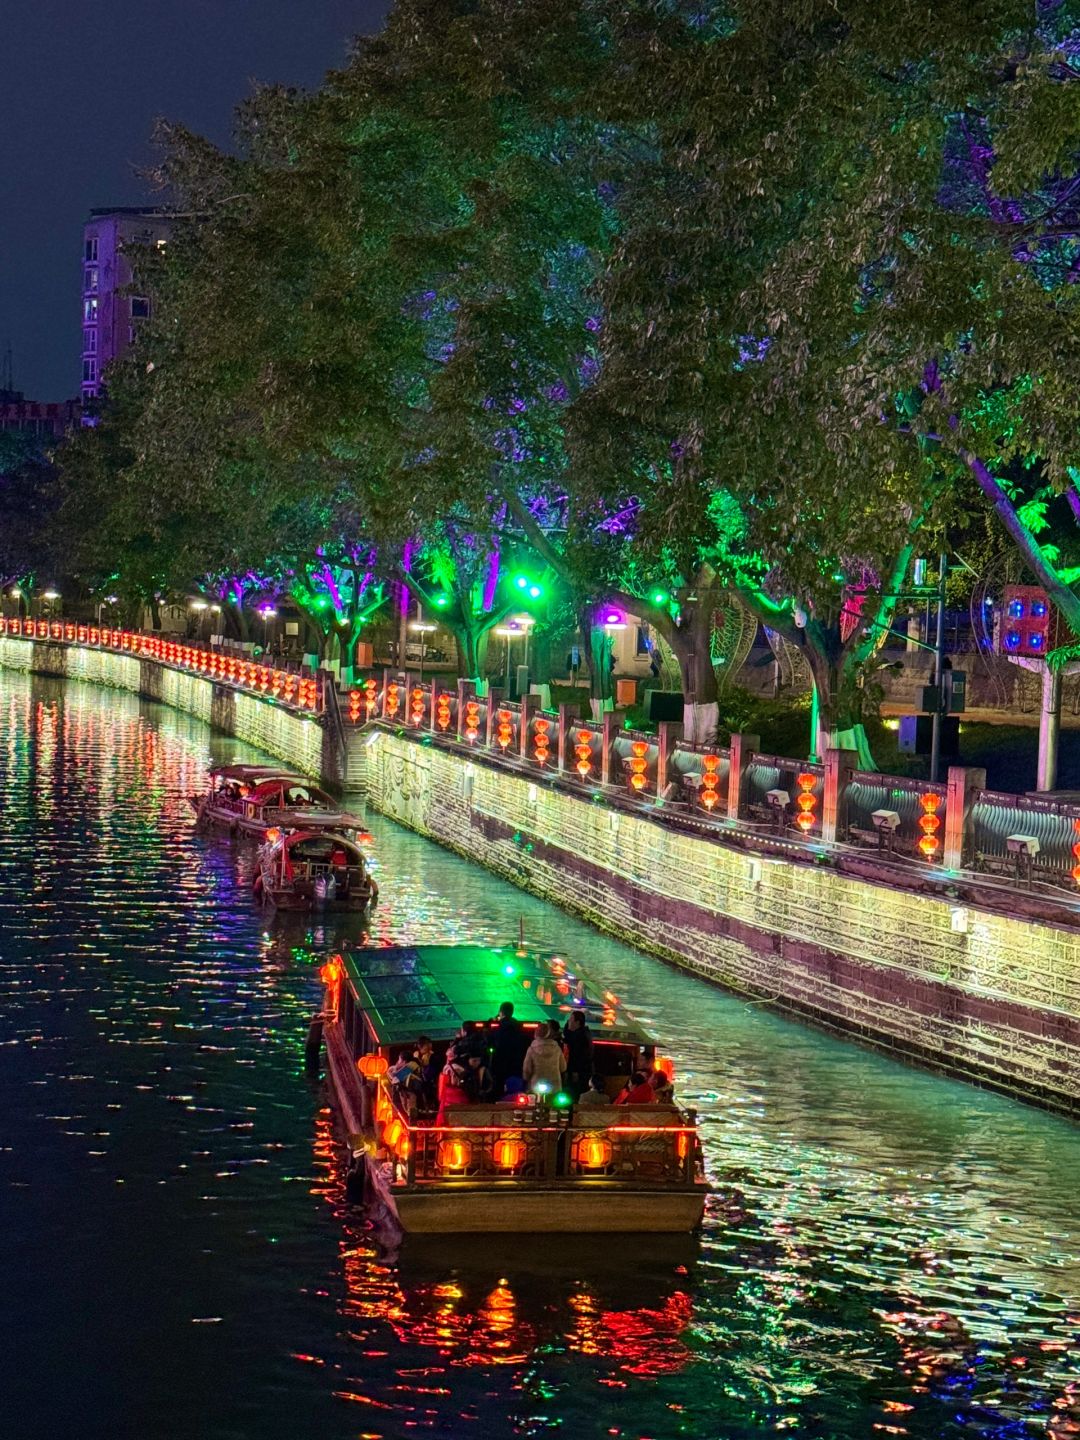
(502, 1064)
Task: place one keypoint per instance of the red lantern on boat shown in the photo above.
(454, 1155)
(392, 1133)
(594, 1152)
(806, 801)
(330, 973)
(666, 1067)
(929, 823)
(510, 1152)
(273, 835)
(372, 1066)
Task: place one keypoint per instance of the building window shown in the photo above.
(89, 371)
(140, 307)
(89, 310)
(90, 249)
(89, 342)
(90, 279)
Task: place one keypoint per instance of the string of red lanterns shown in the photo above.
(929, 823)
(806, 801)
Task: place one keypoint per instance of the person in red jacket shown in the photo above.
(637, 1091)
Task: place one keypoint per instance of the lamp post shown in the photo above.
(200, 607)
(267, 612)
(422, 628)
(507, 632)
(50, 597)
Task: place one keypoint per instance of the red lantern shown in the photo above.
(594, 1152)
(370, 697)
(372, 1066)
(504, 730)
(709, 794)
(393, 700)
(929, 823)
(330, 973)
(356, 698)
(583, 751)
(509, 1152)
(442, 711)
(454, 1155)
(1076, 852)
(541, 740)
(416, 706)
(472, 721)
(639, 764)
(806, 801)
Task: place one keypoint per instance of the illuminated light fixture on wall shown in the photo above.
(958, 920)
(929, 824)
(806, 801)
(614, 620)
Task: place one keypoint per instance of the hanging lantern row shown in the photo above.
(416, 706)
(929, 824)
(371, 697)
(393, 700)
(504, 729)
(541, 739)
(472, 721)
(583, 751)
(709, 794)
(639, 764)
(356, 703)
(212, 664)
(442, 711)
(806, 802)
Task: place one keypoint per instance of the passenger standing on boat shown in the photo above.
(545, 1063)
(595, 1094)
(509, 1043)
(579, 1053)
(637, 1091)
(452, 1088)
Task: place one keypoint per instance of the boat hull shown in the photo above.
(447, 1211)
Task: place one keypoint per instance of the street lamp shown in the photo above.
(267, 612)
(422, 628)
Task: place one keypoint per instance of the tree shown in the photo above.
(28, 500)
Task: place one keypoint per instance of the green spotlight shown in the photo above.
(522, 582)
(535, 592)
(659, 597)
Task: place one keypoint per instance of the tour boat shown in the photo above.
(313, 870)
(258, 798)
(531, 1163)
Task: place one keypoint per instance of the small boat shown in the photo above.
(258, 798)
(313, 870)
(530, 1163)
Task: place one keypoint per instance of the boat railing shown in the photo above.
(646, 1145)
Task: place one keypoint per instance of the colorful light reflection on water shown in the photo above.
(888, 1253)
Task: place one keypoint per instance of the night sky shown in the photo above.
(80, 88)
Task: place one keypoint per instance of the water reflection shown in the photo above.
(886, 1253)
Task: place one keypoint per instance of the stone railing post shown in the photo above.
(567, 716)
(529, 706)
(839, 767)
(742, 752)
(613, 722)
(466, 690)
(963, 785)
(665, 745)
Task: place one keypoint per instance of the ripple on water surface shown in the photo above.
(888, 1253)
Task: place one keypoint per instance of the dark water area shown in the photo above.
(887, 1253)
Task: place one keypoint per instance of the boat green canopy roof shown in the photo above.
(434, 990)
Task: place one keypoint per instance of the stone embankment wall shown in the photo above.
(297, 739)
(981, 994)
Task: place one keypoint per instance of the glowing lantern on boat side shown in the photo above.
(639, 763)
(509, 1152)
(392, 1133)
(273, 835)
(541, 740)
(806, 801)
(392, 701)
(442, 711)
(472, 720)
(453, 1155)
(929, 823)
(416, 706)
(682, 1145)
(372, 1066)
(504, 730)
(594, 1152)
(583, 751)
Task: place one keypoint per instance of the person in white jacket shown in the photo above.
(545, 1063)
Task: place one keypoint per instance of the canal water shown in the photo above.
(887, 1253)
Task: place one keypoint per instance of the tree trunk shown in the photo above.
(155, 612)
(472, 643)
(836, 673)
(600, 648)
(690, 644)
